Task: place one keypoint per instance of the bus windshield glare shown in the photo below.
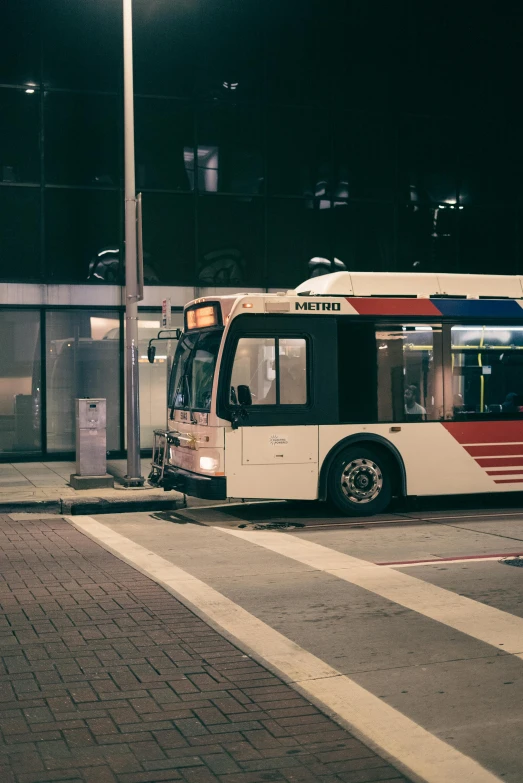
(193, 371)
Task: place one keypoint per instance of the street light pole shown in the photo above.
(134, 476)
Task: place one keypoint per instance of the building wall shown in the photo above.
(386, 135)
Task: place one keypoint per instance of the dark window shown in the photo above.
(296, 233)
(81, 139)
(428, 77)
(82, 360)
(168, 239)
(487, 370)
(164, 144)
(19, 152)
(428, 160)
(365, 75)
(230, 50)
(409, 381)
(229, 150)
(82, 44)
(487, 239)
(364, 157)
(82, 236)
(274, 369)
(19, 233)
(363, 236)
(290, 52)
(491, 162)
(427, 238)
(230, 242)
(20, 393)
(20, 50)
(165, 47)
(299, 153)
(357, 348)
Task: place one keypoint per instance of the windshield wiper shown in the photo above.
(193, 420)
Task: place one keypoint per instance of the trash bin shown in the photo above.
(91, 463)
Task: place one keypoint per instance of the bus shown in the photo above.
(353, 388)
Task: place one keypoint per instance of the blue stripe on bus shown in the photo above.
(479, 308)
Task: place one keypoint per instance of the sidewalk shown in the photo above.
(107, 678)
(44, 487)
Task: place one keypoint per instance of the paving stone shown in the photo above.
(106, 678)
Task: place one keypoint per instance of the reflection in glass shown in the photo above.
(168, 238)
(230, 242)
(20, 392)
(274, 369)
(363, 236)
(487, 370)
(254, 367)
(363, 157)
(428, 161)
(81, 139)
(164, 134)
(82, 360)
(82, 44)
(229, 150)
(79, 226)
(19, 158)
(19, 233)
(488, 240)
(295, 236)
(299, 154)
(409, 374)
(427, 238)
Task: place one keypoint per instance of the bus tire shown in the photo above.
(360, 481)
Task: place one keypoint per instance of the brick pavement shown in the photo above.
(107, 678)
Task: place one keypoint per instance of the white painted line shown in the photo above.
(470, 516)
(410, 746)
(485, 623)
(444, 562)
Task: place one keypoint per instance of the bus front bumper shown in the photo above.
(194, 484)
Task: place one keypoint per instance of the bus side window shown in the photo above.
(274, 369)
(410, 381)
(254, 367)
(487, 371)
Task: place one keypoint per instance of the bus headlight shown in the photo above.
(208, 463)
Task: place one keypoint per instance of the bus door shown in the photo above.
(279, 369)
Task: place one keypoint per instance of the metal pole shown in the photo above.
(134, 471)
(166, 324)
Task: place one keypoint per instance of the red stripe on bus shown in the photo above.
(504, 472)
(498, 463)
(375, 306)
(495, 432)
(502, 450)
(508, 481)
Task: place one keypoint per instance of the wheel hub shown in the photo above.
(361, 480)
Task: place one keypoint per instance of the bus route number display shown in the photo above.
(202, 317)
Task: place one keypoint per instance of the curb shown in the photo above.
(93, 505)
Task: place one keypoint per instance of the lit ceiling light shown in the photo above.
(30, 91)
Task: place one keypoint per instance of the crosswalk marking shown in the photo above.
(485, 623)
(410, 746)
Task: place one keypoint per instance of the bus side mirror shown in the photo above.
(151, 353)
(244, 395)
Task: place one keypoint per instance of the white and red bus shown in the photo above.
(354, 387)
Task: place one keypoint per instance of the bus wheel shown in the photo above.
(359, 482)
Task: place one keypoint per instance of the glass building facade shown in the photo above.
(386, 135)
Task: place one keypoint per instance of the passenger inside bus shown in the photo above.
(292, 378)
(412, 407)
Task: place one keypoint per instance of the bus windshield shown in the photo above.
(193, 371)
